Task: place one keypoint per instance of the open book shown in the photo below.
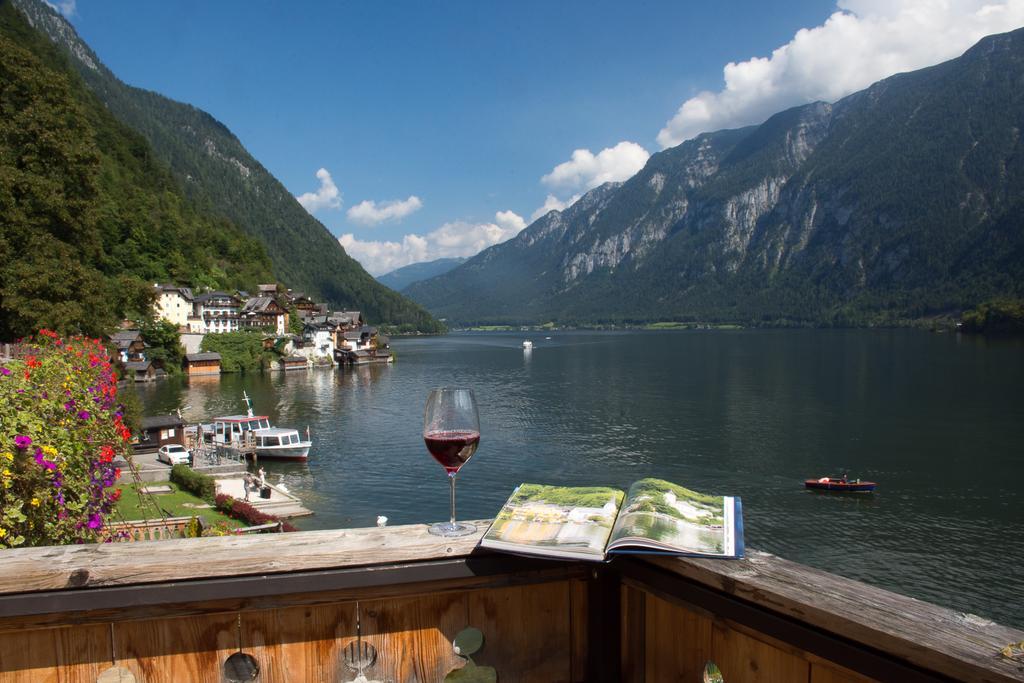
(588, 523)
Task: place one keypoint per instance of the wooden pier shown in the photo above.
(300, 604)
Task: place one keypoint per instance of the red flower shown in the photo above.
(116, 495)
(117, 475)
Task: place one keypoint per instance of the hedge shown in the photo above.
(201, 485)
(242, 511)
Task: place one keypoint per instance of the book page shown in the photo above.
(660, 515)
(556, 521)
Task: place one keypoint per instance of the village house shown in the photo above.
(318, 335)
(160, 430)
(174, 304)
(266, 290)
(198, 364)
(365, 345)
(301, 302)
(215, 313)
(264, 313)
(347, 320)
(129, 345)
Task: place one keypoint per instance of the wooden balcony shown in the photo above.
(176, 610)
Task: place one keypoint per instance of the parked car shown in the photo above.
(173, 454)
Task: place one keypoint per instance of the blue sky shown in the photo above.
(453, 118)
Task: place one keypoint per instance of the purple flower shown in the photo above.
(22, 441)
(95, 521)
(69, 405)
(4, 372)
(83, 415)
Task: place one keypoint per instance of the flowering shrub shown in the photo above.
(242, 511)
(60, 430)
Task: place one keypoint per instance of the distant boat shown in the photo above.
(527, 345)
(840, 484)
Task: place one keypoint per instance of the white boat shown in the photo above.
(254, 431)
(527, 345)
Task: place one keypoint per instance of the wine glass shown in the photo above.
(451, 430)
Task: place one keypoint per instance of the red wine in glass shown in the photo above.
(451, 431)
(452, 448)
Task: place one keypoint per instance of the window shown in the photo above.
(272, 441)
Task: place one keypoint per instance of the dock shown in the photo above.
(281, 504)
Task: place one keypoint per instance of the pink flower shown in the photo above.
(22, 441)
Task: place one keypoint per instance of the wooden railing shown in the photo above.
(148, 530)
(177, 610)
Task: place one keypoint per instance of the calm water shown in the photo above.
(937, 419)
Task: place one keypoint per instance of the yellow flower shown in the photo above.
(6, 472)
(8, 456)
(35, 502)
(3, 532)
(49, 450)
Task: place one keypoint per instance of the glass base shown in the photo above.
(449, 530)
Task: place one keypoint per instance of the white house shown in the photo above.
(320, 335)
(173, 304)
(215, 313)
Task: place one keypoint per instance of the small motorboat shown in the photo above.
(527, 345)
(841, 484)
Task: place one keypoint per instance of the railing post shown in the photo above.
(604, 661)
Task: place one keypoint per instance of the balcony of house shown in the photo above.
(387, 604)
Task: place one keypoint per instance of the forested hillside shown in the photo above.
(217, 172)
(90, 219)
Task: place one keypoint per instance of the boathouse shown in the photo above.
(207, 363)
(294, 363)
(140, 371)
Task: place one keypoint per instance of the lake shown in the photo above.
(936, 419)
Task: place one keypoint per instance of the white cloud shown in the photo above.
(65, 7)
(368, 212)
(510, 220)
(864, 41)
(553, 203)
(457, 238)
(326, 197)
(585, 170)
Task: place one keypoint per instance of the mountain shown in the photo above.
(898, 202)
(90, 219)
(401, 278)
(217, 172)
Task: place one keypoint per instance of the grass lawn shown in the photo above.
(132, 506)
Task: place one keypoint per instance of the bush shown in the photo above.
(242, 511)
(60, 429)
(198, 484)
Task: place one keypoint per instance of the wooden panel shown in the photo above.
(829, 673)
(173, 650)
(271, 599)
(632, 633)
(527, 635)
(299, 643)
(413, 636)
(578, 628)
(743, 659)
(935, 638)
(67, 655)
(678, 642)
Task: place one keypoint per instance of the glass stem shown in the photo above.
(451, 481)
